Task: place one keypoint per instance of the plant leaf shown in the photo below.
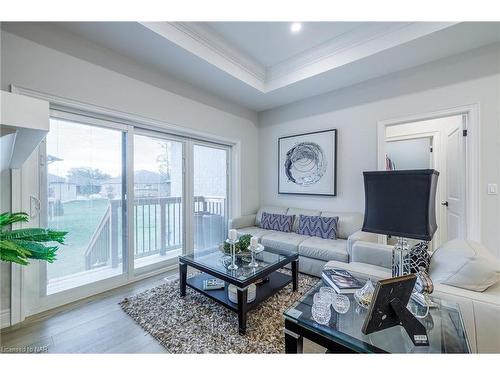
(9, 256)
(34, 234)
(12, 250)
(9, 218)
(39, 251)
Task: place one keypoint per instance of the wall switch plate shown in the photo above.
(492, 189)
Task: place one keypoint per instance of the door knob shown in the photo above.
(444, 203)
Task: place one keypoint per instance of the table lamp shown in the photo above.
(403, 204)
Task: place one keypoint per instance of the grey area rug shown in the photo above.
(196, 324)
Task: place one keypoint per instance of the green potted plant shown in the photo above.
(20, 245)
(241, 246)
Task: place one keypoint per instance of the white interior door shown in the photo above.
(454, 205)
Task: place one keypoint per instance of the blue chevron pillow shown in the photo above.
(282, 223)
(318, 226)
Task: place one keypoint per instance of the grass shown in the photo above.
(80, 219)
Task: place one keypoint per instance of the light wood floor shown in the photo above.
(93, 325)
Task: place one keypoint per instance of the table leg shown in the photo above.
(293, 342)
(295, 274)
(242, 310)
(182, 278)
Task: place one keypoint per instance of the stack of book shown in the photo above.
(341, 280)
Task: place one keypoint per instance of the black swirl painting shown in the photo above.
(307, 163)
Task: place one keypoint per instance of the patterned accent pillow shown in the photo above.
(282, 223)
(318, 226)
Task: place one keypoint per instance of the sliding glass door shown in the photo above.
(210, 195)
(158, 199)
(131, 200)
(85, 196)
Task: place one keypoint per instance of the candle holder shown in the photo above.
(253, 251)
(232, 244)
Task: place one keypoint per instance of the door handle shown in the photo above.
(444, 203)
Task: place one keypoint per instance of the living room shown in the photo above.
(197, 187)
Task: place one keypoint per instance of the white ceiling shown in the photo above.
(270, 43)
(263, 65)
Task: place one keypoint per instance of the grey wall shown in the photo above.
(469, 78)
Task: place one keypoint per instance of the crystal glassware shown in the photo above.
(323, 298)
(321, 312)
(341, 304)
(364, 296)
(330, 292)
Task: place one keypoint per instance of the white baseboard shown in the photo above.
(4, 318)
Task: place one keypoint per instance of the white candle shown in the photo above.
(232, 234)
(254, 241)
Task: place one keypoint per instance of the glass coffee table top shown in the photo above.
(445, 328)
(217, 261)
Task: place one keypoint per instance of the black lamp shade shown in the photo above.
(401, 203)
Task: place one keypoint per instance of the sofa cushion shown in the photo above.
(283, 241)
(301, 211)
(253, 231)
(319, 248)
(464, 264)
(318, 226)
(282, 223)
(348, 223)
(269, 210)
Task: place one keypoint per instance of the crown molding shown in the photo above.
(201, 41)
(363, 41)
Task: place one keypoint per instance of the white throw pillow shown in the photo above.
(464, 264)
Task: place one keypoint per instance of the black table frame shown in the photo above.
(276, 282)
(295, 333)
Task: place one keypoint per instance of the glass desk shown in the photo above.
(444, 324)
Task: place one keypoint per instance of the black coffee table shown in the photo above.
(213, 264)
(342, 334)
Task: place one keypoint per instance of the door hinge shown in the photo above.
(431, 149)
(464, 132)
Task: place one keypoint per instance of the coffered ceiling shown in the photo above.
(261, 65)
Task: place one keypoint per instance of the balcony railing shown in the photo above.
(158, 228)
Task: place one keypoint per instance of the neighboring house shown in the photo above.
(60, 189)
(146, 184)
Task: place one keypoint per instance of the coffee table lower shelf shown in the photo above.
(276, 281)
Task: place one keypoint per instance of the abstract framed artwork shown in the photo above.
(307, 163)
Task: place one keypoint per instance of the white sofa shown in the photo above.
(314, 252)
(480, 310)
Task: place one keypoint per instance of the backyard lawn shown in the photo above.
(80, 220)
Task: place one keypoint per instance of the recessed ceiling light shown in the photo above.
(296, 27)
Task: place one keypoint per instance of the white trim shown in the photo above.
(17, 303)
(4, 318)
(472, 156)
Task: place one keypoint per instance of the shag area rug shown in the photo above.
(196, 324)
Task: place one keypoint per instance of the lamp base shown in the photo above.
(401, 258)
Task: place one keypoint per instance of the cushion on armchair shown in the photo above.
(464, 264)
